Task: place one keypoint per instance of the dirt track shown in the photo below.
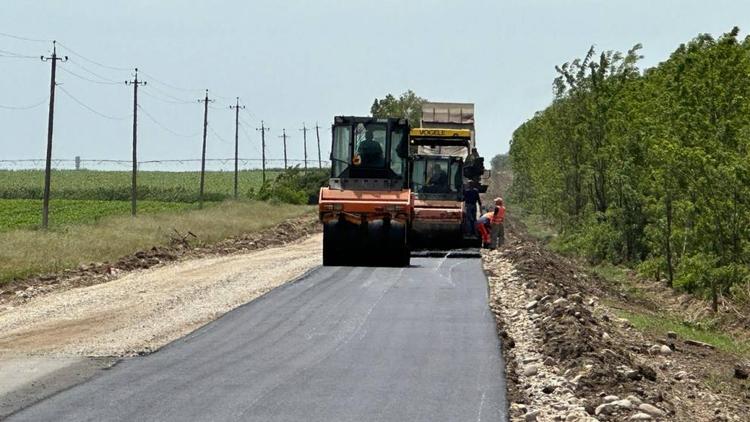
(146, 309)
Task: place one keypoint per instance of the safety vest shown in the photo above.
(499, 215)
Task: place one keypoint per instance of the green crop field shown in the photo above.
(115, 185)
(26, 213)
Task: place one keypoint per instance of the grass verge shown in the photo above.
(28, 252)
(619, 278)
(659, 324)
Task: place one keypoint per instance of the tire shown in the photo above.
(332, 251)
(398, 251)
(405, 258)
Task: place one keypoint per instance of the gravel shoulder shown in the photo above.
(143, 310)
(569, 357)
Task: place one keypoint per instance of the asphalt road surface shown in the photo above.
(339, 344)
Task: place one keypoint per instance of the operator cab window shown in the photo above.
(398, 148)
(370, 145)
(340, 155)
(435, 176)
(418, 175)
(455, 176)
(438, 180)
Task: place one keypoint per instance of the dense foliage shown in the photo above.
(295, 186)
(408, 105)
(649, 168)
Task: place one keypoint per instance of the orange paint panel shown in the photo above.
(335, 195)
(436, 203)
(453, 214)
(374, 204)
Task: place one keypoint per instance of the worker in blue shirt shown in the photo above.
(471, 201)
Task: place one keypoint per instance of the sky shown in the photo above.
(302, 62)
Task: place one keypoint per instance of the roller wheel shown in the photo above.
(405, 257)
(397, 247)
(332, 248)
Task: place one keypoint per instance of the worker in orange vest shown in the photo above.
(498, 217)
(483, 226)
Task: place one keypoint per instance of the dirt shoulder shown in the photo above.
(145, 309)
(182, 247)
(570, 356)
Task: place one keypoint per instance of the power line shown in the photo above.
(170, 85)
(244, 122)
(94, 62)
(222, 97)
(153, 119)
(156, 97)
(14, 55)
(87, 79)
(82, 104)
(211, 128)
(250, 115)
(166, 94)
(249, 138)
(29, 107)
(91, 72)
(179, 88)
(17, 57)
(17, 37)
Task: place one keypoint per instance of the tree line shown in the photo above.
(649, 168)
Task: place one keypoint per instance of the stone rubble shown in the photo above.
(570, 357)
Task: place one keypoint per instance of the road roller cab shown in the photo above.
(367, 207)
(437, 182)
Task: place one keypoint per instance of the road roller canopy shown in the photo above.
(369, 148)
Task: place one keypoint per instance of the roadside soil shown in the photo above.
(183, 246)
(570, 358)
(142, 310)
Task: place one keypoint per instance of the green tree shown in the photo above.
(408, 105)
(648, 167)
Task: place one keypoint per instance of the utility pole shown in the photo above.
(283, 136)
(304, 142)
(236, 109)
(205, 102)
(50, 121)
(263, 130)
(133, 189)
(317, 135)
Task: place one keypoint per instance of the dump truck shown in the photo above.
(367, 208)
(442, 161)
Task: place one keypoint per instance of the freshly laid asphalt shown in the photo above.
(339, 344)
